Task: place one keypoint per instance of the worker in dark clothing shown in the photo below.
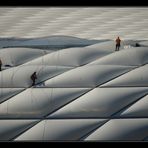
(117, 44)
(137, 45)
(0, 65)
(33, 78)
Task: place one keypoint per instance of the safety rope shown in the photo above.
(1, 81)
(39, 69)
(44, 129)
(11, 81)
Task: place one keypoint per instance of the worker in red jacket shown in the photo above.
(118, 41)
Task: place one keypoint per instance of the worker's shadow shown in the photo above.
(40, 85)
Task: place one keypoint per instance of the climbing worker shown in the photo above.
(0, 65)
(137, 45)
(117, 44)
(33, 78)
